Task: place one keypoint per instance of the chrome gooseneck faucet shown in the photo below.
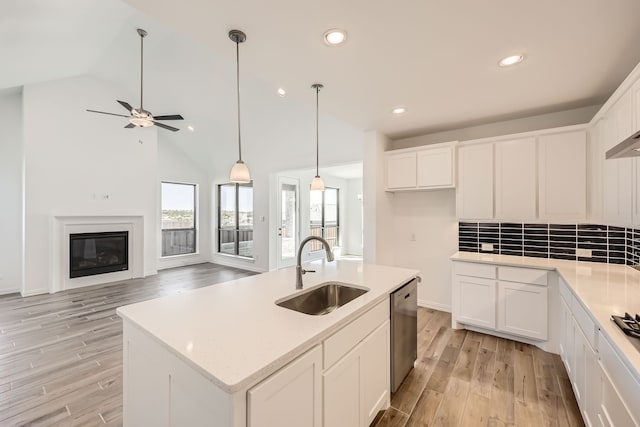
(299, 270)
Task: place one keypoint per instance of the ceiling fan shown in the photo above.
(139, 117)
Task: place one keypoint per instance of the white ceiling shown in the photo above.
(437, 58)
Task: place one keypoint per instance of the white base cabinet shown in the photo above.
(522, 309)
(342, 381)
(356, 387)
(291, 396)
(509, 300)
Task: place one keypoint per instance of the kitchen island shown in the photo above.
(227, 355)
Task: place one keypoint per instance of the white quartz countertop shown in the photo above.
(603, 289)
(235, 334)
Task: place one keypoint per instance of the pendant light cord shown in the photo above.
(141, 69)
(238, 93)
(317, 132)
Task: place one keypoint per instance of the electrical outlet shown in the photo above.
(413, 237)
(584, 253)
(487, 247)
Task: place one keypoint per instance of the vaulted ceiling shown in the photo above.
(437, 58)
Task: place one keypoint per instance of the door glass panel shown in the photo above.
(289, 220)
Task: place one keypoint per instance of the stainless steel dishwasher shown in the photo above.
(404, 332)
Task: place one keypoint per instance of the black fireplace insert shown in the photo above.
(98, 253)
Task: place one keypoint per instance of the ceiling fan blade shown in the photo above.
(126, 105)
(165, 126)
(170, 117)
(111, 114)
(129, 126)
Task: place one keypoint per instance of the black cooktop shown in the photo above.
(630, 325)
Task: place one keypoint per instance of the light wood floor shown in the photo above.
(61, 354)
(464, 378)
(61, 363)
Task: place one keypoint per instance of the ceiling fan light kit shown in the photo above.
(317, 183)
(139, 117)
(239, 172)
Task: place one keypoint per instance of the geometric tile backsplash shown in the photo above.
(615, 245)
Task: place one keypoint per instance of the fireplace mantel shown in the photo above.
(64, 225)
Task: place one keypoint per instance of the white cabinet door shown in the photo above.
(585, 377)
(617, 173)
(401, 170)
(612, 411)
(516, 180)
(566, 337)
(477, 301)
(522, 309)
(475, 182)
(291, 397)
(375, 375)
(562, 176)
(342, 405)
(436, 168)
(358, 385)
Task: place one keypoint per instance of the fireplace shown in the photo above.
(98, 253)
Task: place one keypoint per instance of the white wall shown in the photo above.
(11, 201)
(378, 204)
(353, 220)
(175, 166)
(83, 164)
(425, 234)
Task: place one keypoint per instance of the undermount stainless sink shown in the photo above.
(322, 299)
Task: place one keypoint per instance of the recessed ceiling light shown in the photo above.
(399, 111)
(191, 128)
(335, 37)
(282, 92)
(511, 60)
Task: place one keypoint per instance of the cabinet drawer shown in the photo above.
(475, 270)
(523, 275)
(586, 324)
(620, 376)
(565, 292)
(348, 337)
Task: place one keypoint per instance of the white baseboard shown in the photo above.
(149, 273)
(34, 292)
(9, 292)
(434, 305)
(232, 262)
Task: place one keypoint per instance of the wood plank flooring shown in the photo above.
(61, 354)
(61, 363)
(463, 378)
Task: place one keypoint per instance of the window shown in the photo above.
(235, 219)
(178, 218)
(325, 217)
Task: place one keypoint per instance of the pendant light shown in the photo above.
(239, 172)
(317, 183)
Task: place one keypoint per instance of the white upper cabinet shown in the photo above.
(421, 168)
(562, 177)
(436, 168)
(617, 173)
(401, 170)
(474, 197)
(516, 180)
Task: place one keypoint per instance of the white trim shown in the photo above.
(33, 292)
(62, 226)
(434, 305)
(232, 261)
(527, 134)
